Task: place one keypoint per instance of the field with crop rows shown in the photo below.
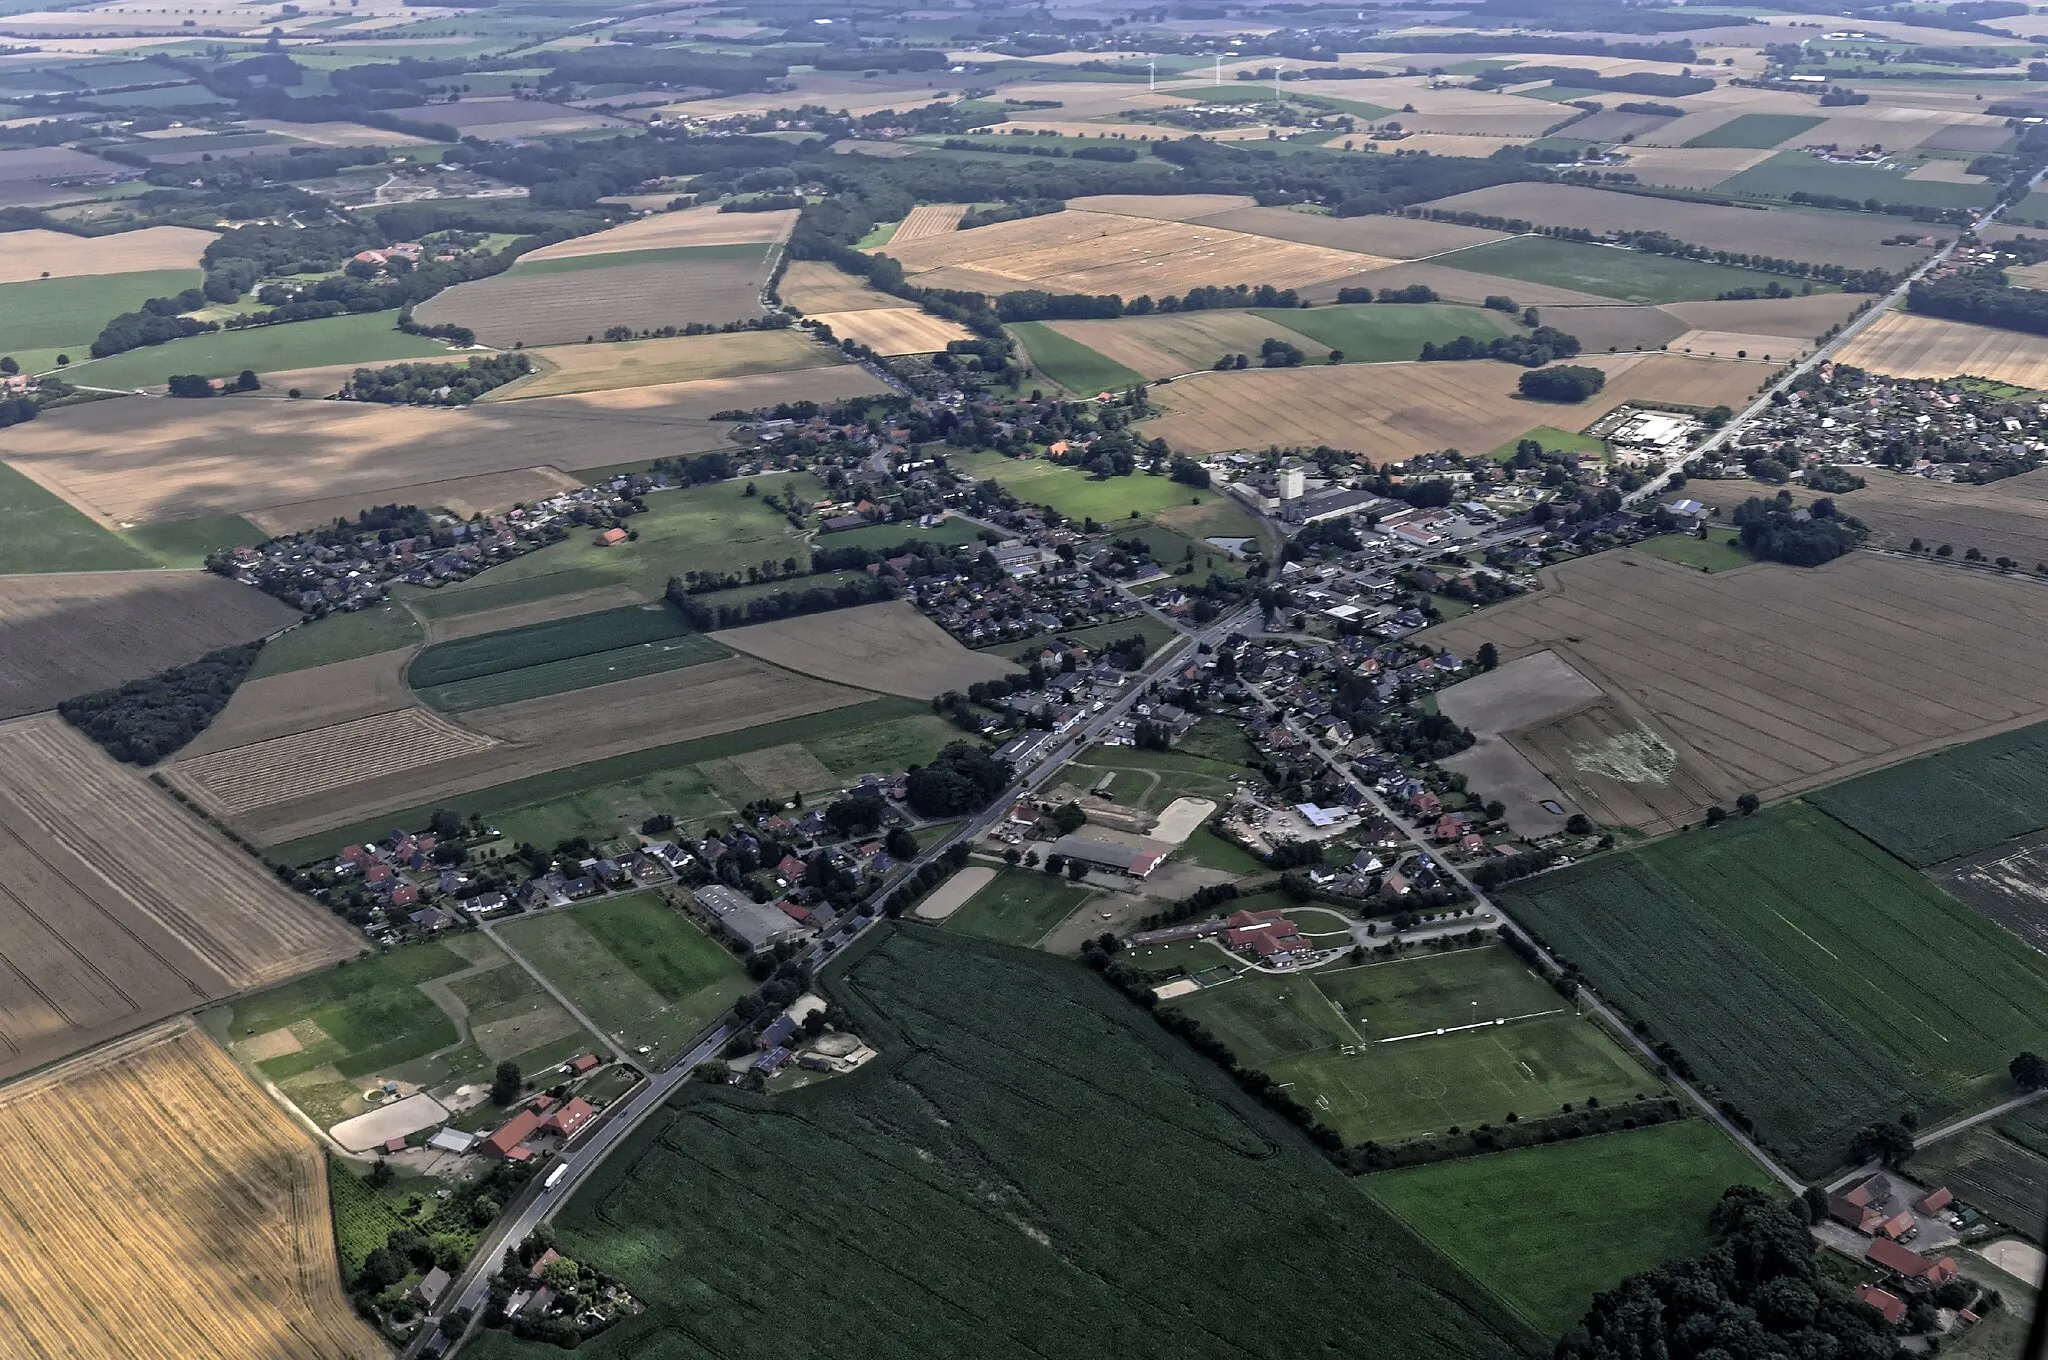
(1902, 345)
(556, 655)
(1956, 803)
(924, 1195)
(159, 1205)
(243, 778)
(1807, 975)
(2001, 1178)
(362, 1221)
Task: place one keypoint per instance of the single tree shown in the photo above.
(2030, 1071)
(1489, 656)
(1747, 804)
(506, 1085)
(1887, 1143)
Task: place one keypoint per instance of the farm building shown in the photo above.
(1138, 861)
(611, 538)
(452, 1140)
(573, 1115)
(1884, 1301)
(1860, 1206)
(1915, 1271)
(505, 1144)
(748, 922)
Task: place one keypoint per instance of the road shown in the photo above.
(549, 987)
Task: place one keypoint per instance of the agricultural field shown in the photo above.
(1991, 1174)
(889, 648)
(39, 532)
(644, 363)
(66, 635)
(1392, 1052)
(1902, 345)
(2007, 518)
(35, 252)
(1381, 334)
(242, 779)
(486, 493)
(1950, 805)
(556, 657)
(338, 637)
(894, 330)
(1399, 238)
(40, 318)
(362, 339)
(636, 966)
(1019, 906)
(1072, 363)
(2007, 884)
(1757, 131)
(1625, 1201)
(1791, 172)
(562, 299)
(1406, 409)
(186, 543)
(667, 231)
(162, 1243)
(1792, 689)
(814, 287)
(989, 1062)
(1804, 973)
(1609, 271)
(929, 219)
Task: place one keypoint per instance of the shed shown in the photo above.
(611, 538)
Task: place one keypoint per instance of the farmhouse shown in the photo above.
(1138, 861)
(1861, 1205)
(1915, 1271)
(505, 1144)
(750, 924)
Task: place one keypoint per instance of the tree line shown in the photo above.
(435, 384)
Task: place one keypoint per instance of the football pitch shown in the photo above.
(1407, 1049)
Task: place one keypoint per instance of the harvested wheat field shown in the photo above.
(1620, 326)
(1795, 318)
(1086, 252)
(31, 254)
(1903, 345)
(159, 1207)
(1773, 679)
(70, 634)
(665, 231)
(1691, 167)
(684, 358)
(929, 219)
(813, 286)
(118, 908)
(1740, 345)
(2006, 518)
(687, 406)
(297, 701)
(1458, 285)
(895, 330)
(560, 730)
(1397, 238)
(1161, 207)
(336, 134)
(887, 647)
(1394, 411)
(485, 494)
(376, 747)
(1185, 342)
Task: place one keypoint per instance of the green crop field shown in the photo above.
(557, 656)
(40, 532)
(643, 971)
(1080, 495)
(1756, 131)
(1030, 1168)
(339, 637)
(1018, 907)
(267, 349)
(1070, 363)
(1609, 271)
(363, 1222)
(663, 255)
(1791, 172)
(1382, 333)
(1811, 978)
(580, 672)
(1956, 803)
(1364, 1047)
(186, 542)
(1718, 551)
(1546, 1228)
(44, 316)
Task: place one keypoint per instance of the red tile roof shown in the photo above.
(1884, 1301)
(514, 1131)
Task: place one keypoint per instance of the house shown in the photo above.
(573, 1115)
(611, 538)
(1890, 1305)
(431, 1287)
(1268, 935)
(1915, 1271)
(504, 1144)
(1898, 1227)
(582, 1063)
(1138, 861)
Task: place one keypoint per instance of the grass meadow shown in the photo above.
(359, 339)
(1168, 1197)
(1791, 172)
(1608, 271)
(339, 637)
(1070, 363)
(1553, 440)
(361, 1018)
(1018, 906)
(1756, 131)
(1952, 804)
(1720, 550)
(186, 542)
(1080, 495)
(39, 531)
(40, 318)
(1806, 975)
(1546, 1228)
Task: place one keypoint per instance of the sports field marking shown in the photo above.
(1480, 1024)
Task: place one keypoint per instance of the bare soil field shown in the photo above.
(540, 308)
(1945, 172)
(1834, 238)
(70, 634)
(159, 1206)
(1622, 771)
(374, 748)
(1404, 409)
(32, 253)
(1796, 318)
(887, 647)
(297, 701)
(118, 908)
(664, 231)
(499, 119)
(1774, 679)
(929, 219)
(1526, 692)
(1162, 207)
(1457, 285)
(1907, 346)
(337, 134)
(684, 358)
(1185, 342)
(2008, 885)
(813, 286)
(1691, 167)
(2006, 518)
(1622, 327)
(1087, 252)
(560, 730)
(485, 494)
(895, 330)
(1397, 238)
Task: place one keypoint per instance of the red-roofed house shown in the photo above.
(571, 1117)
(504, 1144)
(1915, 1271)
(1897, 1226)
(581, 1063)
(1884, 1301)
(791, 868)
(1447, 828)
(611, 538)
(1934, 1201)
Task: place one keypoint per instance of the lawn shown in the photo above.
(339, 637)
(947, 533)
(1546, 1228)
(1609, 271)
(1791, 172)
(1718, 551)
(1018, 907)
(1211, 851)
(48, 315)
(267, 349)
(1364, 1047)
(1553, 440)
(186, 542)
(1030, 1168)
(1152, 779)
(40, 532)
(1070, 363)
(1953, 804)
(1756, 131)
(638, 967)
(361, 1017)
(1806, 975)
(1080, 495)
(1386, 332)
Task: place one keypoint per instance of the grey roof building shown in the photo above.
(747, 921)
